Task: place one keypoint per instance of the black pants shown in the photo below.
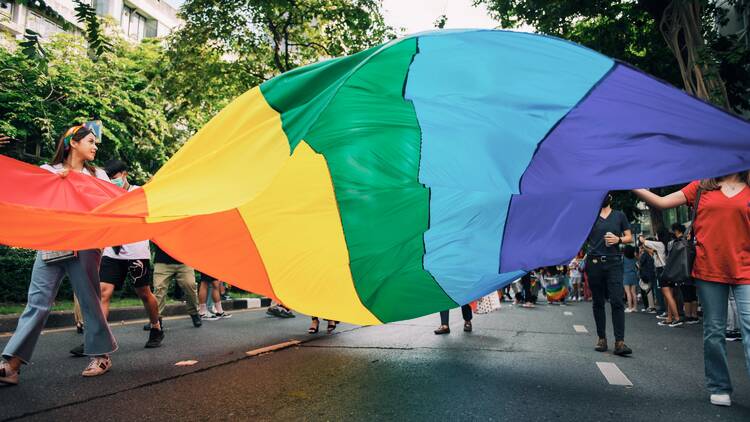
(528, 293)
(465, 310)
(605, 282)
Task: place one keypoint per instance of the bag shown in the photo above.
(488, 303)
(645, 287)
(55, 257)
(679, 266)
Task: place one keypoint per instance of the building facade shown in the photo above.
(138, 19)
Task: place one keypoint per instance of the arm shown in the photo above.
(672, 200)
(627, 237)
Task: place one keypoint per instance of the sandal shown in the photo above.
(314, 328)
(331, 327)
(79, 327)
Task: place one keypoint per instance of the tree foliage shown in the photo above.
(654, 35)
(233, 45)
(41, 96)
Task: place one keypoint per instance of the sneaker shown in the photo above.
(196, 320)
(664, 323)
(443, 329)
(721, 400)
(601, 345)
(675, 323)
(147, 327)
(651, 311)
(77, 351)
(621, 349)
(208, 317)
(7, 374)
(226, 297)
(98, 365)
(662, 316)
(223, 315)
(280, 312)
(155, 338)
(733, 336)
(628, 311)
(691, 321)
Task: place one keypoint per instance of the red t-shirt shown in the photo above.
(722, 233)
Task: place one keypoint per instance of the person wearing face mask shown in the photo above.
(128, 261)
(75, 151)
(604, 269)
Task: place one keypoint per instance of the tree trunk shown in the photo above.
(681, 25)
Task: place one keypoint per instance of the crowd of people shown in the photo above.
(616, 267)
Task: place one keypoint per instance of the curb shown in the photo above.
(60, 319)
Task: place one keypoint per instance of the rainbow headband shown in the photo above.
(69, 135)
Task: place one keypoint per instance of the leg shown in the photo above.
(444, 317)
(107, 289)
(84, 276)
(596, 279)
(466, 312)
(162, 274)
(186, 280)
(672, 314)
(614, 284)
(202, 297)
(45, 281)
(742, 299)
(77, 313)
(714, 299)
(150, 304)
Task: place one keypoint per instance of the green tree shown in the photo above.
(41, 96)
(234, 45)
(676, 40)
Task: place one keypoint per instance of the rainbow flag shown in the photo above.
(399, 181)
(556, 292)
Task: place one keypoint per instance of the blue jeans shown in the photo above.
(714, 298)
(45, 281)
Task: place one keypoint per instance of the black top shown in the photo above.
(162, 257)
(616, 223)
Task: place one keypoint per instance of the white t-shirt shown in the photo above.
(58, 168)
(136, 250)
(660, 258)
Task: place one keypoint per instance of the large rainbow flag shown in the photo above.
(402, 180)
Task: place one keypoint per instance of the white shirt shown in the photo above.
(660, 258)
(137, 250)
(58, 168)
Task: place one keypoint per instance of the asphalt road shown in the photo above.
(518, 364)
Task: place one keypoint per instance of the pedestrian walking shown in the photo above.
(75, 151)
(445, 317)
(630, 278)
(605, 272)
(217, 311)
(167, 268)
(721, 230)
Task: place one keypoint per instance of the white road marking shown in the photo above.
(580, 329)
(613, 374)
(273, 348)
(567, 313)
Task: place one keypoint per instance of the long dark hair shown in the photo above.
(63, 146)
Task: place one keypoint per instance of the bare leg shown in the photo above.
(107, 290)
(150, 304)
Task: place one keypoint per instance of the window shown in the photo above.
(6, 9)
(125, 18)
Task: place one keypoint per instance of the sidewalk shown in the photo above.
(59, 319)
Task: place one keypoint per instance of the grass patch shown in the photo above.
(67, 305)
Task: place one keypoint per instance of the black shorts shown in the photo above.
(689, 294)
(116, 271)
(205, 278)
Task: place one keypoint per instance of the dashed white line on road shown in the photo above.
(580, 329)
(567, 313)
(613, 374)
